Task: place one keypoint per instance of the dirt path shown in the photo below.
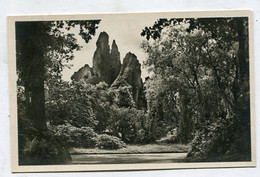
(128, 158)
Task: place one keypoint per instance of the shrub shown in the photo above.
(71, 102)
(214, 143)
(44, 149)
(76, 137)
(129, 123)
(105, 141)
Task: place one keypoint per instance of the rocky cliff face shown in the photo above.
(86, 72)
(131, 73)
(107, 67)
(106, 64)
(115, 63)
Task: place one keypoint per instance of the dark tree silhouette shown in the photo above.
(42, 49)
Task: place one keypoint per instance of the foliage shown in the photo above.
(162, 107)
(66, 102)
(128, 124)
(198, 91)
(105, 141)
(227, 29)
(202, 65)
(96, 106)
(122, 93)
(49, 43)
(75, 137)
(85, 105)
(43, 150)
(42, 50)
(21, 102)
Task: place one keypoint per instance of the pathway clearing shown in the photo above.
(128, 158)
(136, 149)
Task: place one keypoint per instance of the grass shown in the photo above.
(136, 149)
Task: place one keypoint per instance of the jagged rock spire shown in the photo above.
(106, 64)
(131, 73)
(115, 62)
(107, 67)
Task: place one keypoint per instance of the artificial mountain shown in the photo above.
(107, 67)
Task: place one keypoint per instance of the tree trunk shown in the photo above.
(185, 124)
(29, 36)
(243, 104)
(35, 109)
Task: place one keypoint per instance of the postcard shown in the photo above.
(132, 91)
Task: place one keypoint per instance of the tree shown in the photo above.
(206, 57)
(71, 103)
(42, 49)
(162, 110)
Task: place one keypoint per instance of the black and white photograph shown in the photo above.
(137, 90)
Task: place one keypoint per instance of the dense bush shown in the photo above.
(215, 143)
(105, 141)
(71, 102)
(44, 149)
(76, 137)
(128, 124)
(95, 106)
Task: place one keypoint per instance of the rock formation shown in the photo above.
(131, 73)
(107, 67)
(115, 63)
(86, 72)
(106, 64)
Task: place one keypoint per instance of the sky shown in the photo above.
(126, 33)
